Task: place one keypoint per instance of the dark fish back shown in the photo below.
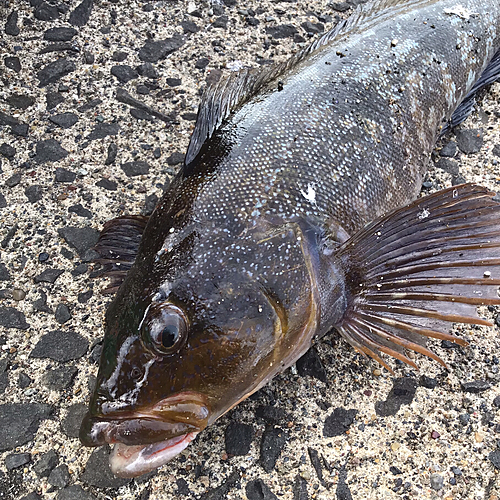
(346, 133)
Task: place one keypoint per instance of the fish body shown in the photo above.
(287, 218)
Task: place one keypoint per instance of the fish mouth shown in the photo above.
(132, 461)
(149, 437)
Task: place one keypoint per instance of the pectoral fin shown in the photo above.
(414, 271)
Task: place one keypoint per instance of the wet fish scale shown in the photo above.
(313, 139)
(292, 217)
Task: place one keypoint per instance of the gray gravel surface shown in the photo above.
(97, 102)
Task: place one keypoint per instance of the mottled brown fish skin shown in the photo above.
(238, 242)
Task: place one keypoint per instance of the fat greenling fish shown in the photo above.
(297, 213)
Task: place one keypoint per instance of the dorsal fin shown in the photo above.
(230, 93)
(117, 247)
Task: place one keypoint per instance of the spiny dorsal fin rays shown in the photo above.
(230, 93)
(117, 247)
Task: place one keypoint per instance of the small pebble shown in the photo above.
(18, 294)
(43, 257)
(437, 482)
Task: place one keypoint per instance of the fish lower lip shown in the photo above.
(178, 415)
(132, 461)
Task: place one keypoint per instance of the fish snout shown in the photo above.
(174, 416)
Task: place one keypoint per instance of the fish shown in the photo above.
(296, 214)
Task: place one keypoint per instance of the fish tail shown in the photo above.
(416, 270)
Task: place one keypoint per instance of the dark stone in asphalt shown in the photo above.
(190, 27)
(176, 158)
(20, 101)
(428, 382)
(201, 63)
(48, 276)
(64, 120)
(469, 140)
(494, 458)
(75, 492)
(173, 82)
(148, 71)
(4, 273)
(140, 114)
(60, 346)
(19, 422)
(272, 414)
(476, 386)
(102, 130)
(49, 150)
(59, 477)
(281, 31)
(54, 71)
(62, 313)
(449, 150)
(450, 166)
(53, 99)
(21, 129)
(12, 63)
(23, 381)
(238, 438)
(220, 493)
(89, 105)
(273, 441)
(258, 490)
(80, 238)
(80, 211)
(310, 364)
(112, 152)
(338, 422)
(124, 73)
(16, 460)
(46, 463)
(64, 175)
(70, 425)
(97, 472)
(154, 50)
(11, 27)
(135, 168)
(300, 488)
(402, 392)
(107, 184)
(10, 317)
(60, 378)
(81, 15)
(60, 34)
(45, 11)
(7, 150)
(34, 193)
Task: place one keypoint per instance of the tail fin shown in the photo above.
(419, 268)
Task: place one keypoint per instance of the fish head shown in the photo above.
(210, 331)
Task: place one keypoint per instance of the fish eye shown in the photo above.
(165, 328)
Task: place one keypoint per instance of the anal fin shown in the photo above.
(117, 247)
(413, 272)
